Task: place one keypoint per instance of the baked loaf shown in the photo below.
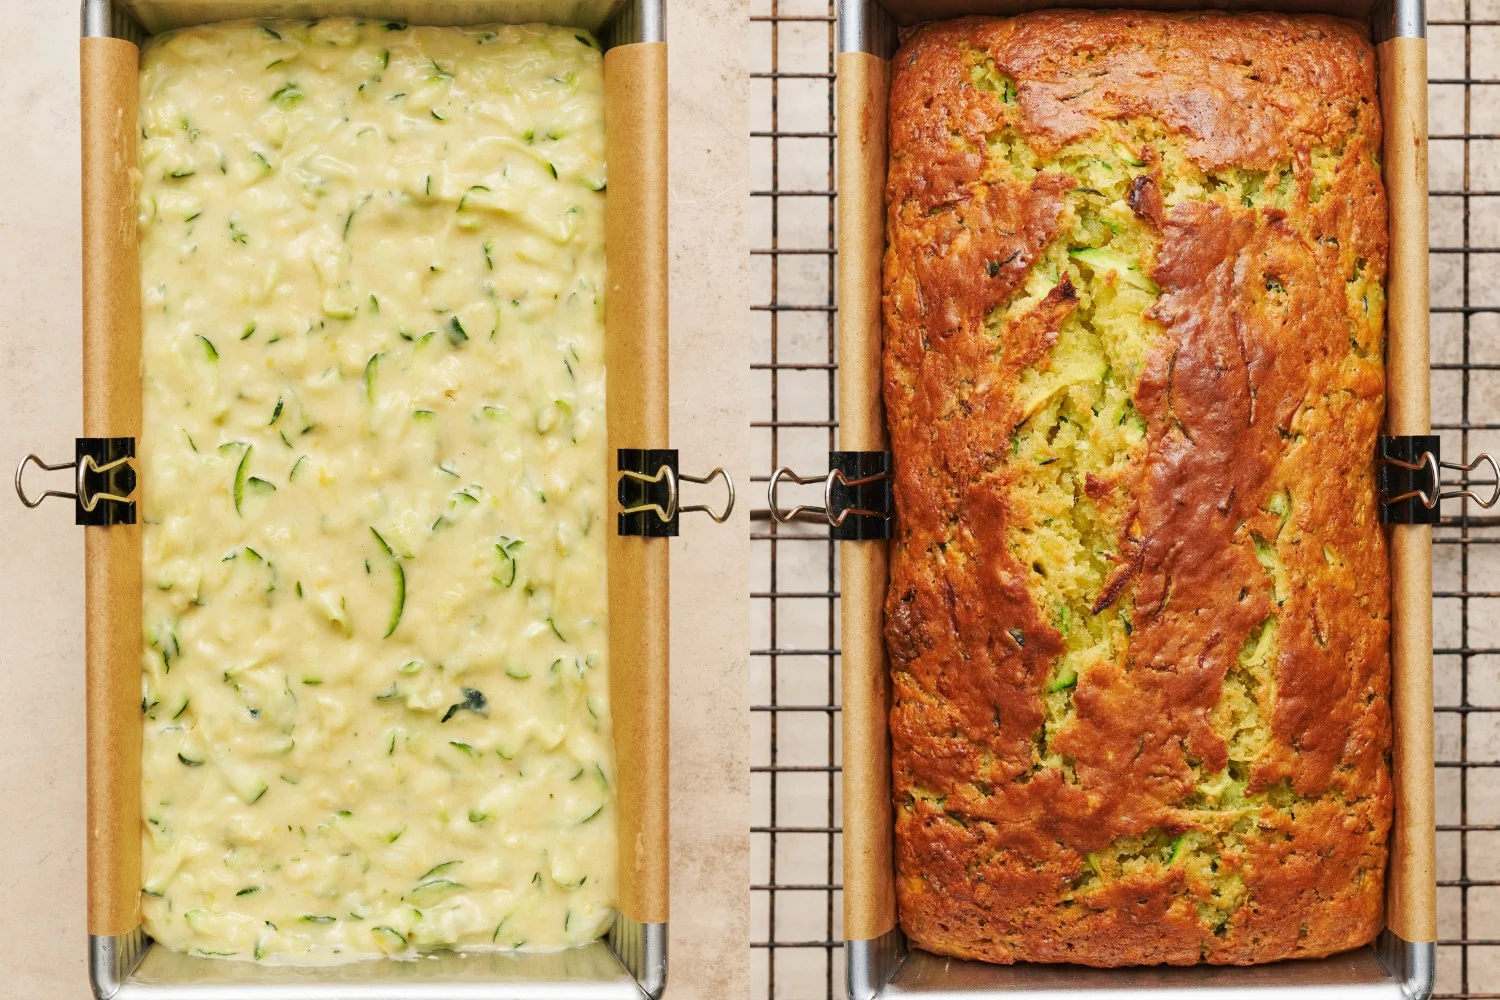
(1138, 612)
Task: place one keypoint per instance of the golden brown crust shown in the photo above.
(1252, 380)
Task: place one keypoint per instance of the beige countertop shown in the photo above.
(42, 936)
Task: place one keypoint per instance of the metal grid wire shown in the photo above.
(796, 861)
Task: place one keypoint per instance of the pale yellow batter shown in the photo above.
(375, 687)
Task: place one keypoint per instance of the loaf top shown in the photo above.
(1138, 613)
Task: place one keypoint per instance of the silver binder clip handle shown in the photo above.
(81, 468)
(46, 467)
(834, 519)
(664, 473)
(787, 516)
(717, 473)
(1465, 493)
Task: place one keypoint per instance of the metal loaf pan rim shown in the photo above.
(884, 967)
(638, 949)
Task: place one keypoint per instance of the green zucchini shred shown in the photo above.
(434, 890)
(1066, 678)
(506, 548)
(457, 335)
(399, 604)
(241, 474)
(370, 367)
(390, 935)
(289, 96)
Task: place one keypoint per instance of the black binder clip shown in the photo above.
(858, 501)
(649, 492)
(1409, 478)
(103, 480)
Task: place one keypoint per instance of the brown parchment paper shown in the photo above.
(869, 881)
(112, 555)
(635, 360)
(869, 908)
(637, 409)
(161, 15)
(1411, 894)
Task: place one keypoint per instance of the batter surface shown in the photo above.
(375, 682)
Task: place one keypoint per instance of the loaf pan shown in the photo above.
(631, 961)
(1400, 965)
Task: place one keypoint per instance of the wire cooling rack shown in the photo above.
(1464, 112)
(796, 903)
(795, 837)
